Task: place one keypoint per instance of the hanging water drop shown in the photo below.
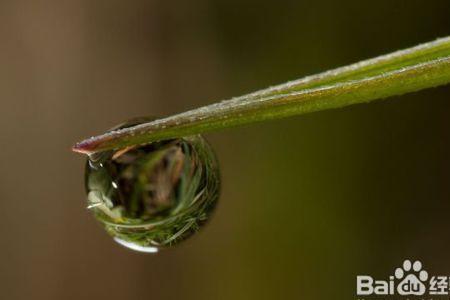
(153, 196)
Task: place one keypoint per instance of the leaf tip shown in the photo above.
(84, 147)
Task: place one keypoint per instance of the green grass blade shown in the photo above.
(405, 71)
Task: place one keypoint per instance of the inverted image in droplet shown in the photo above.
(155, 195)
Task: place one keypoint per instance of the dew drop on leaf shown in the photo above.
(153, 196)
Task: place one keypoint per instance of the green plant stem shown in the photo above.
(409, 70)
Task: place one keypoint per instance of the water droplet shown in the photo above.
(153, 196)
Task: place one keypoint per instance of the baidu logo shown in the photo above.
(410, 279)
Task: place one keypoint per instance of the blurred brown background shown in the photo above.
(307, 204)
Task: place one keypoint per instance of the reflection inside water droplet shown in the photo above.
(156, 195)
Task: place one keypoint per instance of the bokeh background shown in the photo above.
(308, 203)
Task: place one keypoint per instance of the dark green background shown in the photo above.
(308, 203)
